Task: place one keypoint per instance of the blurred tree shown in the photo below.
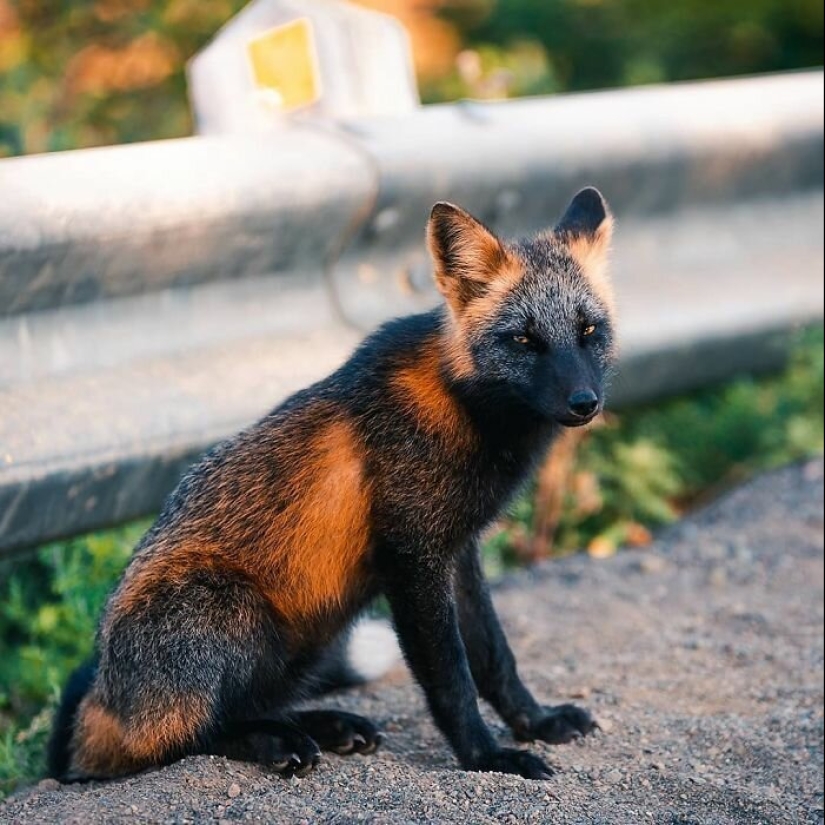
(94, 72)
(590, 44)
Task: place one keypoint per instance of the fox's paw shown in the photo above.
(291, 754)
(557, 725)
(520, 763)
(278, 746)
(340, 732)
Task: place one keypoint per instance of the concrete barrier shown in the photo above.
(154, 298)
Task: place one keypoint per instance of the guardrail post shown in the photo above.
(305, 58)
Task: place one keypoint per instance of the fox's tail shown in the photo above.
(77, 687)
(365, 654)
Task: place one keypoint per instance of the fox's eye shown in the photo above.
(588, 330)
(527, 341)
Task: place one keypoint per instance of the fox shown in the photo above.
(380, 480)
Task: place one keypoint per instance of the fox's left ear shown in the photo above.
(466, 254)
(587, 227)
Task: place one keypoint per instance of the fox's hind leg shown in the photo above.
(182, 660)
(290, 741)
(197, 665)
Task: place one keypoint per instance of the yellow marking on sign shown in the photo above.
(285, 62)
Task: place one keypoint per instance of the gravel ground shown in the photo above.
(702, 658)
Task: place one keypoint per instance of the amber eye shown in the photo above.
(524, 340)
(589, 330)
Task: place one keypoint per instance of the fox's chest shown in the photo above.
(444, 498)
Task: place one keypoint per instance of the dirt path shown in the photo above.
(703, 659)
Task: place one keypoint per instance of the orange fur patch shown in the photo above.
(468, 257)
(483, 309)
(458, 359)
(173, 565)
(103, 745)
(300, 544)
(323, 536)
(592, 255)
(97, 743)
(169, 727)
(420, 387)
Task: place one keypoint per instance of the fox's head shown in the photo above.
(531, 321)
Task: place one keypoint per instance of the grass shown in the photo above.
(49, 604)
(639, 471)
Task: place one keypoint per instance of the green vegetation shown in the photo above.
(49, 606)
(547, 46)
(638, 472)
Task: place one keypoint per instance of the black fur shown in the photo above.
(586, 213)
(58, 754)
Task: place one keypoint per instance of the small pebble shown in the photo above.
(234, 790)
(653, 564)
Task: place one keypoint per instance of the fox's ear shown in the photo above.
(587, 230)
(587, 227)
(467, 255)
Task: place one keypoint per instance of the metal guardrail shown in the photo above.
(94, 224)
(155, 297)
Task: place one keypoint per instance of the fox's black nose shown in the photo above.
(583, 403)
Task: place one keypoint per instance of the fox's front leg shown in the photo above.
(420, 593)
(494, 666)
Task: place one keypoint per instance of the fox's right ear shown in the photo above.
(587, 230)
(467, 255)
(587, 226)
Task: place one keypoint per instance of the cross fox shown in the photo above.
(379, 479)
